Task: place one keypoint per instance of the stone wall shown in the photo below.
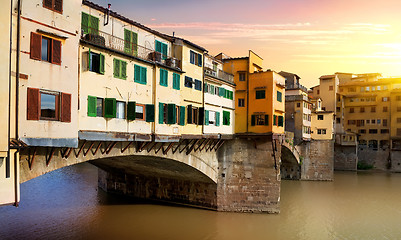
(345, 158)
(396, 161)
(378, 158)
(249, 175)
(317, 160)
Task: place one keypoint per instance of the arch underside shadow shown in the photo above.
(290, 168)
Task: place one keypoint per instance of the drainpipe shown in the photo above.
(247, 95)
(203, 93)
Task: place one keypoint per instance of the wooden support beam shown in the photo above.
(145, 146)
(210, 145)
(199, 145)
(162, 144)
(48, 159)
(97, 148)
(30, 160)
(219, 145)
(111, 147)
(139, 146)
(168, 148)
(68, 154)
(179, 144)
(107, 147)
(187, 141)
(192, 147)
(90, 148)
(80, 149)
(126, 147)
(64, 152)
(206, 142)
(151, 147)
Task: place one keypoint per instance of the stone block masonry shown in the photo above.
(345, 158)
(249, 175)
(318, 160)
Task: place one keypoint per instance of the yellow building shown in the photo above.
(322, 125)
(260, 95)
(9, 166)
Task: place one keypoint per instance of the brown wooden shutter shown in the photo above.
(33, 104)
(48, 4)
(56, 50)
(58, 5)
(65, 107)
(36, 46)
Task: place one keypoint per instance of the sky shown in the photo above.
(308, 37)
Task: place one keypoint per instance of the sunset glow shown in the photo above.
(310, 38)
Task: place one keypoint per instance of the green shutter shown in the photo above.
(253, 120)
(85, 22)
(200, 60)
(217, 119)
(266, 120)
(135, 43)
(137, 73)
(274, 120)
(158, 46)
(123, 70)
(171, 113)
(101, 66)
(143, 75)
(161, 113)
(189, 113)
(89, 60)
(127, 41)
(93, 25)
(164, 50)
(182, 115)
(176, 81)
(206, 117)
(150, 113)
(221, 92)
(92, 106)
(212, 89)
(131, 110)
(226, 118)
(110, 107)
(163, 77)
(116, 66)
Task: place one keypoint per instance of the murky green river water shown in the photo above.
(66, 204)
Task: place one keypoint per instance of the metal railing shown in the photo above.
(296, 86)
(219, 74)
(128, 47)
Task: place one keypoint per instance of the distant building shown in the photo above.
(259, 96)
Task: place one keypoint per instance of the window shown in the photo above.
(398, 131)
(45, 49)
(96, 62)
(384, 131)
(330, 88)
(398, 109)
(140, 112)
(176, 81)
(298, 104)
(195, 58)
(321, 131)
(226, 118)
(161, 48)
(398, 98)
(167, 113)
(372, 131)
(188, 82)
(373, 121)
(367, 89)
(320, 117)
(318, 92)
(351, 90)
(210, 118)
(385, 109)
(120, 110)
(163, 77)
(384, 99)
(48, 105)
(378, 121)
(241, 76)
(198, 85)
(120, 69)
(222, 92)
(140, 74)
(373, 109)
(211, 90)
(89, 24)
(279, 96)
(384, 122)
(260, 94)
(241, 102)
(260, 120)
(130, 42)
(362, 131)
(398, 120)
(351, 110)
(362, 110)
(280, 121)
(338, 120)
(99, 107)
(54, 5)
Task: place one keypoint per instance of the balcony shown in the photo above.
(109, 41)
(296, 86)
(219, 74)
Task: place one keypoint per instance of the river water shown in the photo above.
(66, 204)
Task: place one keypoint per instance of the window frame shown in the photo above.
(259, 95)
(124, 109)
(53, 8)
(56, 105)
(143, 112)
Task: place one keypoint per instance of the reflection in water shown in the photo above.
(66, 204)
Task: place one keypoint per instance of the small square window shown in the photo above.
(242, 76)
(241, 102)
(120, 110)
(260, 94)
(140, 112)
(49, 106)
